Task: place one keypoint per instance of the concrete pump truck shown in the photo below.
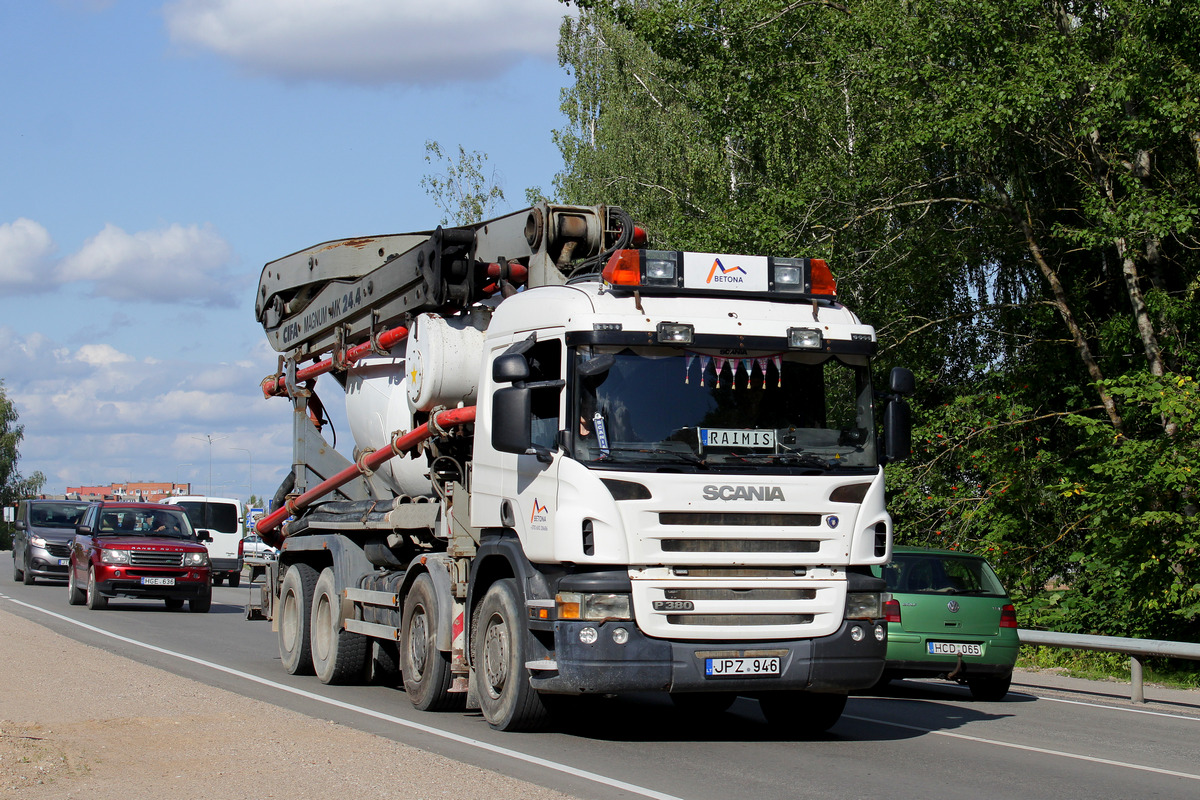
(581, 466)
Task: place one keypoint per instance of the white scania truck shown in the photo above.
(581, 467)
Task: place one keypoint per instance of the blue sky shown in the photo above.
(154, 155)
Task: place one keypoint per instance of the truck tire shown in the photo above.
(507, 700)
(201, 604)
(803, 714)
(95, 600)
(338, 656)
(75, 595)
(235, 579)
(295, 621)
(424, 669)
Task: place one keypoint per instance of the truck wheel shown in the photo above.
(295, 605)
(75, 595)
(201, 604)
(803, 714)
(506, 699)
(218, 580)
(990, 687)
(425, 669)
(95, 600)
(235, 580)
(338, 656)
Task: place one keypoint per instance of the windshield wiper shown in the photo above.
(792, 459)
(687, 458)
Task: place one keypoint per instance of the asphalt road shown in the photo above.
(921, 740)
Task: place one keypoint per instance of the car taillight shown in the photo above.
(891, 610)
(1008, 617)
(241, 547)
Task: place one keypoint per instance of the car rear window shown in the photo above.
(56, 515)
(220, 517)
(918, 573)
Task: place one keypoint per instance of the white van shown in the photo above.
(221, 518)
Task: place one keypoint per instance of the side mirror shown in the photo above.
(20, 525)
(901, 381)
(83, 530)
(897, 430)
(510, 368)
(512, 418)
(203, 536)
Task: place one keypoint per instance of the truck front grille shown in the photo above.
(739, 619)
(739, 546)
(726, 520)
(155, 558)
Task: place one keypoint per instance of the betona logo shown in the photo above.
(539, 512)
(728, 274)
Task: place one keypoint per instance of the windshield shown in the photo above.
(720, 408)
(219, 517)
(145, 522)
(56, 515)
(918, 573)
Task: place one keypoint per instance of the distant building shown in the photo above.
(140, 492)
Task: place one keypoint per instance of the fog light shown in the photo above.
(880, 633)
(857, 634)
(620, 635)
(116, 573)
(588, 635)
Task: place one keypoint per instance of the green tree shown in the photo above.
(13, 486)
(1009, 190)
(464, 191)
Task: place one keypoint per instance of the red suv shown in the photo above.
(144, 550)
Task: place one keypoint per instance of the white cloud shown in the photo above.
(26, 257)
(414, 42)
(180, 264)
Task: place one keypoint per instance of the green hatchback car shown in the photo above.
(949, 617)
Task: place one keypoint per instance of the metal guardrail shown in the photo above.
(1135, 648)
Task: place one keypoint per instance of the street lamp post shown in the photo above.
(209, 438)
(250, 472)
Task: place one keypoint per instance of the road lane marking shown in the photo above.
(1110, 708)
(1027, 748)
(454, 737)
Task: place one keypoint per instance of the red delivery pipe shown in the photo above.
(274, 386)
(446, 419)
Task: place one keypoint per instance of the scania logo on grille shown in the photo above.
(952, 606)
(712, 492)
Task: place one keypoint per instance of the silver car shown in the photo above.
(42, 541)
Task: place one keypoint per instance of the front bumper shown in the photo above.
(188, 584)
(47, 565)
(834, 663)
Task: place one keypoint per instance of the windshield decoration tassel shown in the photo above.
(762, 364)
(778, 361)
(687, 369)
(703, 368)
(748, 364)
(719, 361)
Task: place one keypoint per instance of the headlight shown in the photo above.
(592, 607)
(864, 605)
(195, 559)
(805, 339)
(37, 541)
(114, 556)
